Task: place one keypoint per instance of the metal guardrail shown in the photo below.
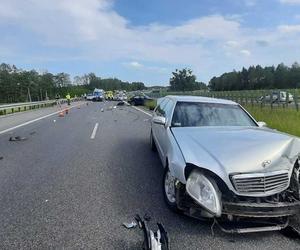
(22, 104)
(18, 107)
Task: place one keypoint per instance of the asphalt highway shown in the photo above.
(71, 183)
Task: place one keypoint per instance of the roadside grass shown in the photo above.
(150, 104)
(283, 119)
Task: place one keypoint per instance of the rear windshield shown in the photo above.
(194, 114)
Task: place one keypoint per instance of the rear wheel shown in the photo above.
(169, 190)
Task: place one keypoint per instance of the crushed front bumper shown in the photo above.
(261, 210)
(241, 208)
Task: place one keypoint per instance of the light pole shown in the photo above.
(28, 94)
(18, 84)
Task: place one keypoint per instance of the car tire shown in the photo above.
(152, 143)
(167, 184)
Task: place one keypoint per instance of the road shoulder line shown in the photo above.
(142, 111)
(34, 120)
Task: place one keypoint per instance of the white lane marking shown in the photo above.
(94, 131)
(34, 120)
(141, 110)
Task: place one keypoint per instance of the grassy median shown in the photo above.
(283, 119)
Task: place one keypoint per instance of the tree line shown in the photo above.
(257, 77)
(17, 85)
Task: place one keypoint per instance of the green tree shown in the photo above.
(183, 80)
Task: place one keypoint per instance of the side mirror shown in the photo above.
(262, 124)
(159, 120)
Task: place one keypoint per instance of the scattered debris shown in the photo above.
(61, 114)
(17, 138)
(46, 200)
(1, 158)
(121, 103)
(78, 107)
(153, 240)
(102, 110)
(33, 133)
(146, 120)
(130, 225)
(115, 107)
(54, 120)
(147, 217)
(87, 104)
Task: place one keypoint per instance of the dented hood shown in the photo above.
(228, 150)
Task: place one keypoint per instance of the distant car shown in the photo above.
(124, 97)
(278, 96)
(89, 97)
(98, 95)
(139, 100)
(220, 163)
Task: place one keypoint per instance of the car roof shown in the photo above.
(186, 98)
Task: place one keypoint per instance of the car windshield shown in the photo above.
(193, 114)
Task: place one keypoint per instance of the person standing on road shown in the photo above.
(57, 97)
(68, 99)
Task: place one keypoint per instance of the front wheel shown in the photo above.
(169, 190)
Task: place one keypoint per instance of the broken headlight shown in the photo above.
(205, 192)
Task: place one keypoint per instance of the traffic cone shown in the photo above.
(61, 114)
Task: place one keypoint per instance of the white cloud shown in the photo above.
(135, 65)
(232, 44)
(245, 52)
(93, 31)
(141, 67)
(250, 3)
(289, 28)
(293, 2)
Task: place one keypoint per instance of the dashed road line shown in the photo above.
(94, 131)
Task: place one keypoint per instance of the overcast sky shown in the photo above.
(143, 40)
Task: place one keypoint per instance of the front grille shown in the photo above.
(261, 184)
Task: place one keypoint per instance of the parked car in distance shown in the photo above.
(278, 96)
(97, 95)
(220, 163)
(139, 100)
(89, 97)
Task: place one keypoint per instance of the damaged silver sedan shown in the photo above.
(222, 164)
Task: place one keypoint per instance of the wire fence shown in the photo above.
(288, 98)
